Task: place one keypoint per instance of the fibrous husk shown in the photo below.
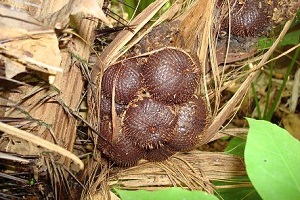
(42, 83)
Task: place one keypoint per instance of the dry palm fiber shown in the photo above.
(41, 88)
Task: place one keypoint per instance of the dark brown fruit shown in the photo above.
(192, 120)
(160, 154)
(127, 78)
(149, 123)
(251, 18)
(122, 151)
(105, 106)
(171, 75)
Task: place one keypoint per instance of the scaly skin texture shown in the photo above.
(126, 77)
(190, 124)
(122, 151)
(252, 18)
(149, 124)
(171, 75)
(163, 115)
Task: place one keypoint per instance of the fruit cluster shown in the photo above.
(252, 18)
(149, 109)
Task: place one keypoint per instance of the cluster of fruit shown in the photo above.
(149, 109)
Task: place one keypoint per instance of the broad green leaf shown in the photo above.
(165, 194)
(272, 159)
(236, 146)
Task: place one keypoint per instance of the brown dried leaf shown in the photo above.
(54, 13)
(92, 7)
(28, 47)
(12, 18)
(291, 124)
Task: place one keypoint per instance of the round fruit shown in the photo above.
(250, 18)
(122, 151)
(125, 76)
(149, 123)
(192, 119)
(171, 75)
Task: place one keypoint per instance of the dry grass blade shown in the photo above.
(112, 52)
(295, 91)
(190, 170)
(39, 141)
(95, 181)
(20, 180)
(235, 100)
(13, 158)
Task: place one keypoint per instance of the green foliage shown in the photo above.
(245, 193)
(134, 7)
(165, 194)
(268, 112)
(291, 38)
(235, 189)
(272, 159)
(130, 6)
(236, 146)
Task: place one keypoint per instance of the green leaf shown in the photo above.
(165, 194)
(291, 38)
(272, 159)
(247, 193)
(131, 6)
(236, 188)
(236, 146)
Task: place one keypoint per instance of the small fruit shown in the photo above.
(192, 119)
(122, 151)
(149, 123)
(126, 77)
(171, 75)
(252, 18)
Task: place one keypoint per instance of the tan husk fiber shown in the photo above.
(41, 110)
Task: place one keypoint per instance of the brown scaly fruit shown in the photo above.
(171, 75)
(192, 120)
(122, 151)
(149, 123)
(160, 154)
(127, 79)
(255, 17)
